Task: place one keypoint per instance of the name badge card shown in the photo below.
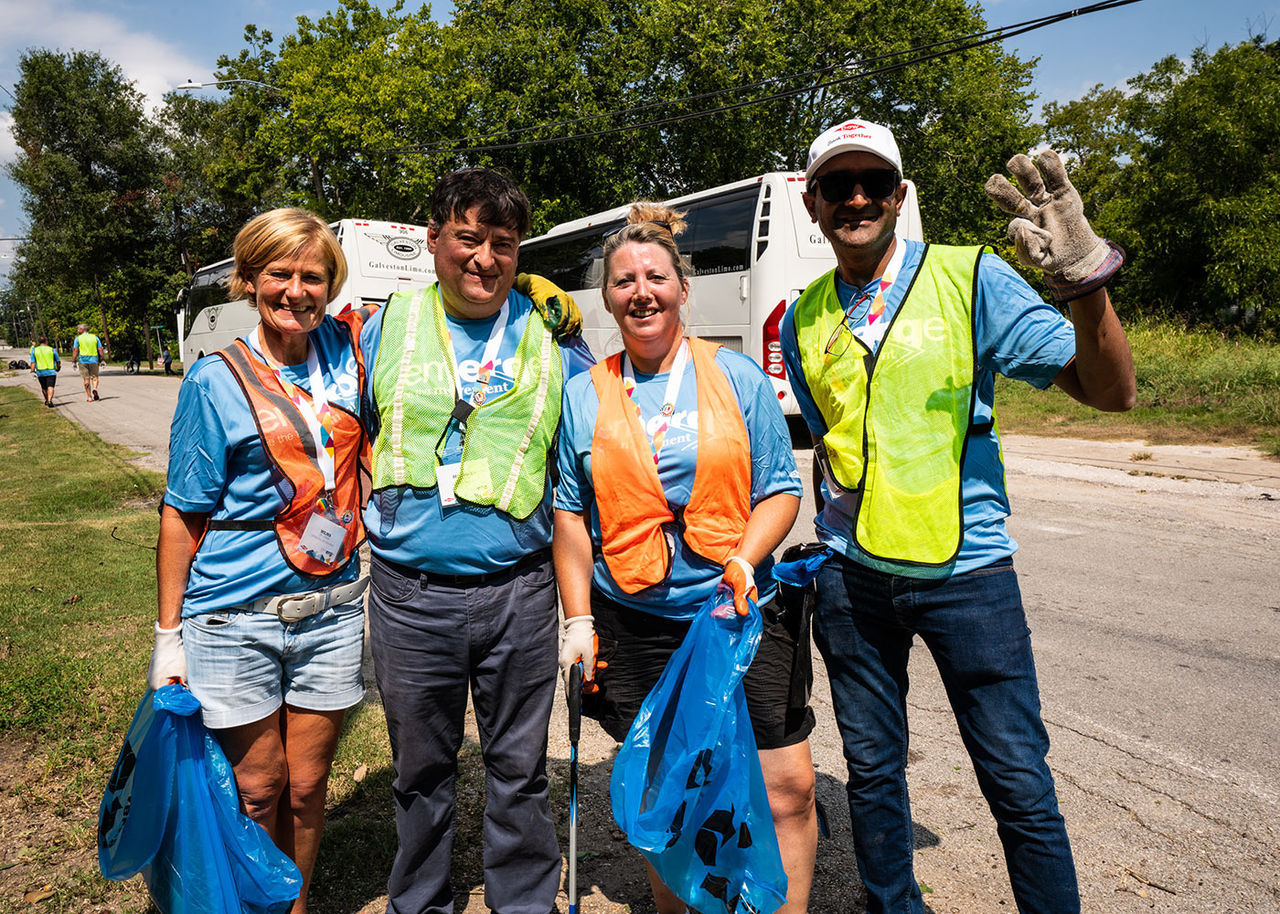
(322, 538)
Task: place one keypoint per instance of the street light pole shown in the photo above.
(311, 161)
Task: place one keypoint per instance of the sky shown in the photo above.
(161, 43)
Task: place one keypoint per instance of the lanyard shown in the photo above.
(315, 410)
(487, 360)
(887, 279)
(674, 380)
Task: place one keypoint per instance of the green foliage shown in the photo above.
(1193, 386)
(958, 118)
(1092, 134)
(1184, 172)
(88, 169)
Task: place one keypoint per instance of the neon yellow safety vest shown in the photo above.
(45, 358)
(898, 420)
(504, 452)
(87, 343)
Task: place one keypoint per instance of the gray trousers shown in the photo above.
(431, 640)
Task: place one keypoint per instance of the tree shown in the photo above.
(88, 169)
(522, 63)
(1198, 205)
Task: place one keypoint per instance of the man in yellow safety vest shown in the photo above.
(893, 357)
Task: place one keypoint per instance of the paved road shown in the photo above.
(135, 409)
(1150, 576)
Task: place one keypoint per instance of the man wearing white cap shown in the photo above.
(892, 357)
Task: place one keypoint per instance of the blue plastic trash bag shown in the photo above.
(801, 564)
(171, 812)
(687, 787)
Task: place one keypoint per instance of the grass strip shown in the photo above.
(1194, 387)
(76, 603)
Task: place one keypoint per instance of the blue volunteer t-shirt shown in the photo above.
(773, 472)
(218, 466)
(1017, 335)
(410, 526)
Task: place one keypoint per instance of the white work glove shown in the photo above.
(167, 657)
(578, 642)
(740, 577)
(1050, 231)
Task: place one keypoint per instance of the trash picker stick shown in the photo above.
(575, 730)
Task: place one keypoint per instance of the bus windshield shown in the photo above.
(208, 287)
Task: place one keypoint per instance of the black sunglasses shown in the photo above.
(876, 184)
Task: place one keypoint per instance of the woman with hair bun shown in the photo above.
(261, 606)
(677, 476)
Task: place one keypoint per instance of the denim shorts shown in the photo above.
(243, 665)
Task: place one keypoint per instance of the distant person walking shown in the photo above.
(45, 365)
(87, 353)
(167, 358)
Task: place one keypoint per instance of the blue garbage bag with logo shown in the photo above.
(687, 787)
(171, 812)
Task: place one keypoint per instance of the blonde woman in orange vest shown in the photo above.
(676, 473)
(261, 607)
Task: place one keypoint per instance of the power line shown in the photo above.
(922, 54)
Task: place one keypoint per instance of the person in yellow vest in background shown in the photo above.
(45, 365)
(677, 477)
(88, 353)
(892, 357)
(465, 384)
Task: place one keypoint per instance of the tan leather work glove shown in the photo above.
(555, 306)
(1050, 231)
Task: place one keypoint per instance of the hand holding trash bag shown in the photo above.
(687, 786)
(740, 579)
(171, 812)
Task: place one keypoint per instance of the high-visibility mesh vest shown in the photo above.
(504, 452)
(45, 358)
(292, 450)
(898, 420)
(628, 492)
(87, 343)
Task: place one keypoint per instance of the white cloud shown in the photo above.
(8, 146)
(153, 64)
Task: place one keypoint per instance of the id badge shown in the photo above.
(322, 537)
(447, 480)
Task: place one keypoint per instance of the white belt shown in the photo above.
(291, 607)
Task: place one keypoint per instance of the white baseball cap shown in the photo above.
(853, 136)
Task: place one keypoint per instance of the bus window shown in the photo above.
(208, 288)
(566, 260)
(718, 239)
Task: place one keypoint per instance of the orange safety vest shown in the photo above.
(286, 439)
(629, 496)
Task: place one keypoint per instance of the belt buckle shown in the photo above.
(297, 608)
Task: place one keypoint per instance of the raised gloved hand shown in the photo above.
(740, 577)
(578, 642)
(555, 306)
(1050, 231)
(167, 657)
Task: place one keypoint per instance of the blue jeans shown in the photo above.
(433, 641)
(974, 626)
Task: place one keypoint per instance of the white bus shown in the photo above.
(382, 258)
(753, 250)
